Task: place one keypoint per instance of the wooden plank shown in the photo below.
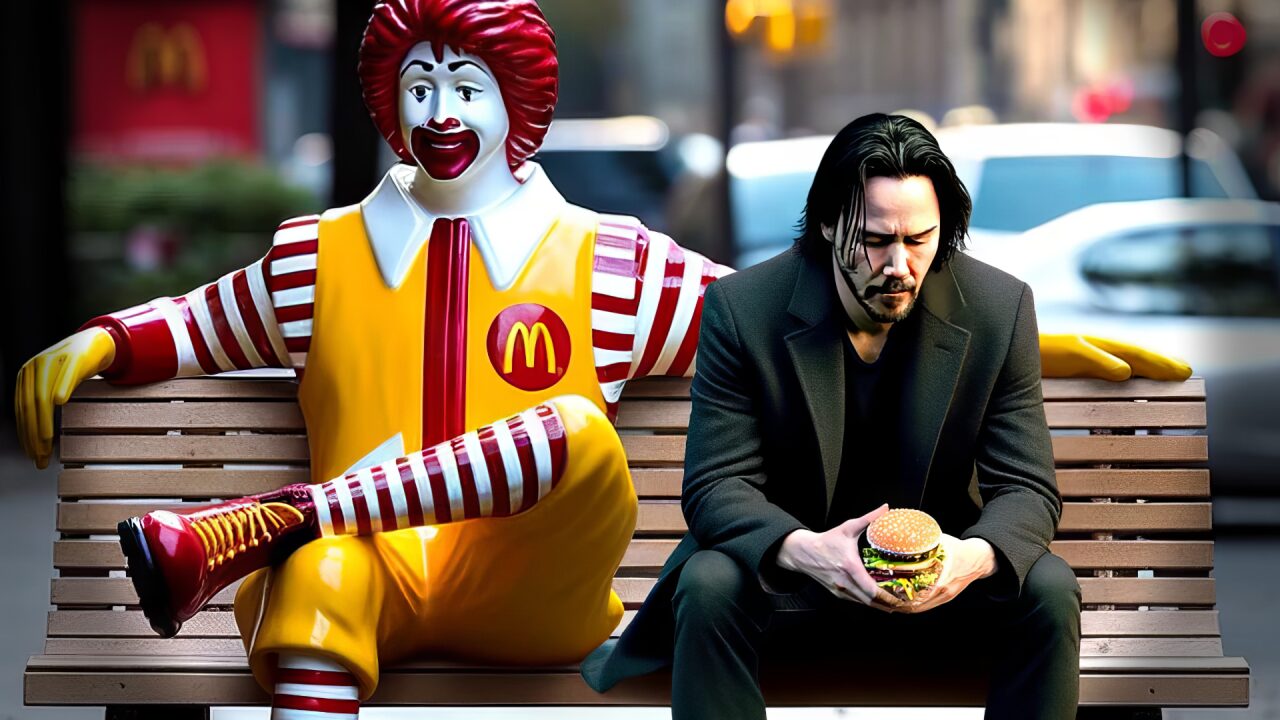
(126, 417)
(279, 387)
(221, 624)
(1135, 554)
(654, 415)
(1136, 517)
(673, 414)
(203, 483)
(658, 482)
(232, 685)
(198, 483)
(642, 450)
(184, 448)
(1182, 592)
(659, 516)
(1147, 646)
(153, 646)
(131, 623)
(1133, 483)
(1081, 389)
(1130, 448)
(1129, 414)
(1154, 623)
(650, 554)
(1095, 591)
(656, 387)
(654, 450)
(114, 591)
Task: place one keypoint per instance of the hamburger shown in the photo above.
(905, 556)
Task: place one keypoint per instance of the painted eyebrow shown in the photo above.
(453, 66)
(424, 65)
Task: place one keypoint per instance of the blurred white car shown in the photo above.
(1195, 278)
(1020, 175)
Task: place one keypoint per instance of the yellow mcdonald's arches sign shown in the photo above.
(530, 337)
(166, 58)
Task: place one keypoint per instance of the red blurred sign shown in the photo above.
(167, 80)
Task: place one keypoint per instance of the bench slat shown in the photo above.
(285, 416)
(1137, 388)
(233, 647)
(642, 450)
(1129, 483)
(650, 554)
(221, 624)
(666, 518)
(1130, 448)
(203, 483)
(1163, 681)
(632, 591)
(280, 386)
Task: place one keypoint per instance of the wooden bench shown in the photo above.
(1136, 527)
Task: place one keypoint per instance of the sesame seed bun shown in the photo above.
(904, 533)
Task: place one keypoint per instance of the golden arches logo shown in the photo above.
(548, 348)
(163, 58)
(530, 338)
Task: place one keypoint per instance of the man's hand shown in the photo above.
(832, 558)
(48, 379)
(964, 562)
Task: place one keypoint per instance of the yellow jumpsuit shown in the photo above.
(533, 588)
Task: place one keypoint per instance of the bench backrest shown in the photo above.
(1136, 523)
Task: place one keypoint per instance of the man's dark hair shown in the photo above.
(880, 145)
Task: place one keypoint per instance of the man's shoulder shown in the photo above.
(986, 288)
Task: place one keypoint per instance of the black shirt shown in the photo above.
(869, 465)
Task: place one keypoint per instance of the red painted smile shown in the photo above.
(445, 156)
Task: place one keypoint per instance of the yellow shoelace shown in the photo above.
(244, 527)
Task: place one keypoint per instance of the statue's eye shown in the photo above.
(419, 92)
(468, 93)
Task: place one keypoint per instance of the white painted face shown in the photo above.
(886, 267)
(452, 117)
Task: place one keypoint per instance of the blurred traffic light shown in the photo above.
(784, 26)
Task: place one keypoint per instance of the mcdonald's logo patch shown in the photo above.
(529, 346)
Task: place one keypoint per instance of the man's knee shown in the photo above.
(712, 586)
(1052, 593)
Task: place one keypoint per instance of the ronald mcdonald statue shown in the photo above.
(461, 339)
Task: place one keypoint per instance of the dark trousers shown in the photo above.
(727, 625)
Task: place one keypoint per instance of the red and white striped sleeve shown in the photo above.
(256, 317)
(646, 304)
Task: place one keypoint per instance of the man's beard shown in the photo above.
(873, 290)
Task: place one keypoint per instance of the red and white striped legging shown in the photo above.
(499, 470)
(313, 688)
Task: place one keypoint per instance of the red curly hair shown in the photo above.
(512, 37)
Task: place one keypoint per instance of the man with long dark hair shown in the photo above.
(873, 365)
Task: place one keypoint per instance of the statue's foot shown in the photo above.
(179, 562)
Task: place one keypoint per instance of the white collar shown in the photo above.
(505, 233)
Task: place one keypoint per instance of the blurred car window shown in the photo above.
(1222, 270)
(1018, 193)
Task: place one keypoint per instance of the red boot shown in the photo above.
(178, 562)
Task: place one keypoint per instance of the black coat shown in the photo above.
(767, 429)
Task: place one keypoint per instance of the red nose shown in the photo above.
(447, 125)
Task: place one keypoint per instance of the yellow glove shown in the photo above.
(48, 379)
(1064, 356)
